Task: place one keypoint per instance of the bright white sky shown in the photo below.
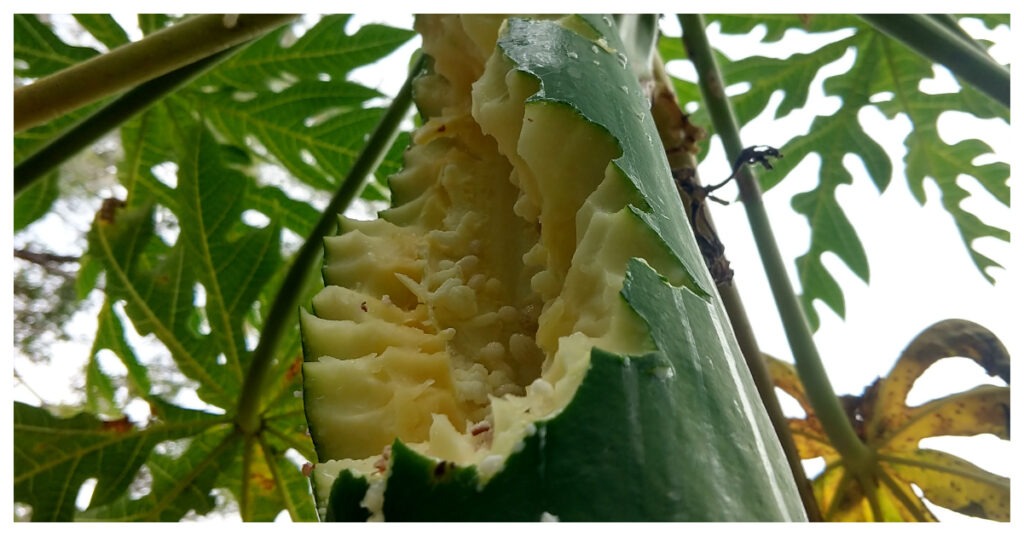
(920, 271)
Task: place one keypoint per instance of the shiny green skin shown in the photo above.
(677, 434)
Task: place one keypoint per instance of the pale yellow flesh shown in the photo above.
(468, 312)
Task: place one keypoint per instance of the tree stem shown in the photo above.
(132, 64)
(282, 310)
(808, 363)
(91, 128)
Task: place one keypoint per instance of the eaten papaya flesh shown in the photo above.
(529, 333)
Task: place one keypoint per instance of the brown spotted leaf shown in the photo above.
(953, 483)
(949, 338)
(881, 489)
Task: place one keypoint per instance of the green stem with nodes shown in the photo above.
(808, 362)
(130, 65)
(282, 311)
(90, 129)
(936, 40)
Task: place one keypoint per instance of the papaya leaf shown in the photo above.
(777, 24)
(313, 128)
(880, 490)
(231, 260)
(295, 101)
(191, 271)
(99, 390)
(949, 338)
(39, 50)
(104, 28)
(273, 484)
(54, 456)
(293, 488)
(325, 50)
(811, 440)
(285, 420)
(991, 20)
(158, 295)
(881, 67)
(143, 139)
(35, 201)
(793, 75)
(180, 484)
(953, 483)
(152, 22)
(110, 335)
(928, 156)
(686, 91)
(298, 216)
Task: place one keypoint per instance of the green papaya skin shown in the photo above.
(530, 333)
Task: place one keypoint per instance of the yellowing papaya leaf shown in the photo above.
(949, 338)
(984, 409)
(953, 483)
(271, 484)
(838, 500)
(786, 378)
(880, 488)
(899, 496)
(811, 440)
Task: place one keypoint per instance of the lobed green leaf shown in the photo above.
(104, 28)
(180, 484)
(314, 129)
(881, 67)
(35, 201)
(110, 335)
(325, 51)
(54, 456)
(40, 52)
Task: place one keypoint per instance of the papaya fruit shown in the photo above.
(529, 332)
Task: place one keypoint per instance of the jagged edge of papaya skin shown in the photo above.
(641, 147)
